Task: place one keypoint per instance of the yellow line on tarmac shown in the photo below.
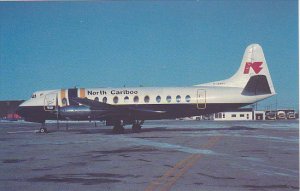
(173, 180)
(165, 182)
(169, 173)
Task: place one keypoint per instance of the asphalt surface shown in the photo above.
(165, 155)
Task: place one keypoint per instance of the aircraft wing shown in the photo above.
(114, 109)
(140, 109)
(93, 104)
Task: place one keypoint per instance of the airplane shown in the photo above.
(132, 106)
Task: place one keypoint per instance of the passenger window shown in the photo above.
(178, 98)
(158, 99)
(116, 99)
(187, 98)
(64, 101)
(104, 100)
(136, 99)
(96, 99)
(147, 99)
(169, 98)
(126, 99)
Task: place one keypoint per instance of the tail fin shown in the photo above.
(253, 74)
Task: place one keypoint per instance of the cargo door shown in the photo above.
(50, 102)
(201, 98)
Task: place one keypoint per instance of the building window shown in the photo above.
(247, 116)
(169, 98)
(136, 99)
(233, 115)
(187, 98)
(223, 115)
(242, 115)
(126, 99)
(116, 99)
(104, 100)
(158, 99)
(178, 98)
(146, 99)
(219, 115)
(96, 99)
(216, 115)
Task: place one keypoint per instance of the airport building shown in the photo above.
(8, 109)
(241, 114)
(247, 114)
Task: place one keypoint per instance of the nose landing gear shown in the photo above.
(43, 129)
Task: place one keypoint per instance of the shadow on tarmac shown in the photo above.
(108, 131)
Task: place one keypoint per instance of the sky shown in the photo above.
(52, 45)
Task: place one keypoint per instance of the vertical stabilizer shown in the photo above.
(253, 64)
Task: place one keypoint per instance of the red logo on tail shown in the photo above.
(256, 66)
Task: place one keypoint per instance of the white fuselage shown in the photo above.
(149, 95)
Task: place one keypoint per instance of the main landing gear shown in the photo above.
(119, 126)
(137, 125)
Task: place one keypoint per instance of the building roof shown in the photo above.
(9, 106)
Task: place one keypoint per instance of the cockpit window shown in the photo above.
(33, 96)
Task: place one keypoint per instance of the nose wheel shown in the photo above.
(43, 129)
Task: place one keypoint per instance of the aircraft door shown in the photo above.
(201, 99)
(50, 102)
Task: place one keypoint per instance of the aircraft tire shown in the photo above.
(136, 128)
(119, 129)
(43, 130)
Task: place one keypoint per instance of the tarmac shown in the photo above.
(165, 155)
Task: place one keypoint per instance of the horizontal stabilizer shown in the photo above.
(257, 85)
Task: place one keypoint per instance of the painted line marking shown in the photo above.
(29, 131)
(165, 182)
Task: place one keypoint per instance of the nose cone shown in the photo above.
(24, 109)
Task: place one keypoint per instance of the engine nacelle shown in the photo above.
(77, 111)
